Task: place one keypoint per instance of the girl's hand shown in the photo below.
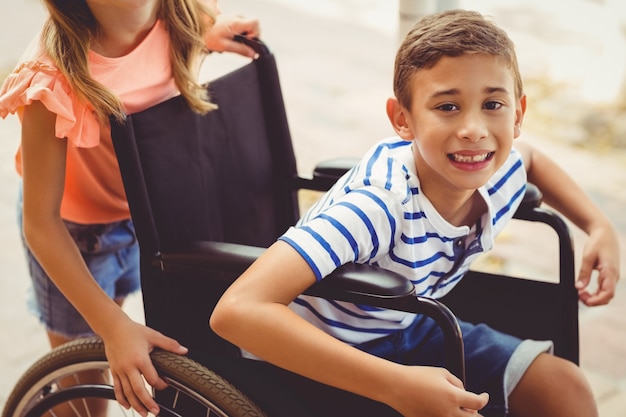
(220, 37)
(128, 352)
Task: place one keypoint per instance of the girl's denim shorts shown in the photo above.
(111, 253)
(494, 361)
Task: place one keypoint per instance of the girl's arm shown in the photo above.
(127, 343)
(601, 251)
(253, 314)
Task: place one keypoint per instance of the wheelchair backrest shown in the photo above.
(224, 176)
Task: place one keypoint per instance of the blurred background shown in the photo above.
(335, 59)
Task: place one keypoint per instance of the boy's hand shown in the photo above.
(601, 254)
(436, 392)
(220, 37)
(128, 352)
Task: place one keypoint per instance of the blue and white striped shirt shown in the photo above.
(376, 214)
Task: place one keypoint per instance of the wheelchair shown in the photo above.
(207, 194)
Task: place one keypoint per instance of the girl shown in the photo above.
(97, 59)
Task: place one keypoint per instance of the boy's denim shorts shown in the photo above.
(494, 361)
(111, 253)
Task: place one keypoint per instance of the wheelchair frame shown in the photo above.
(194, 386)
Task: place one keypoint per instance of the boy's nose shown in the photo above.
(473, 128)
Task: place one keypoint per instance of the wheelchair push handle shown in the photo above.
(256, 44)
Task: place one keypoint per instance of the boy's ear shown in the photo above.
(519, 116)
(398, 117)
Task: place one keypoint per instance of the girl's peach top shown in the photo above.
(94, 192)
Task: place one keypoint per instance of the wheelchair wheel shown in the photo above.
(193, 389)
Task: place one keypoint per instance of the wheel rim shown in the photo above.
(48, 393)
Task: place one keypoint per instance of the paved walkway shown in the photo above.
(336, 64)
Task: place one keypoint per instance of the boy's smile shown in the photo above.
(470, 160)
(463, 118)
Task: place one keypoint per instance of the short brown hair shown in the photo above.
(450, 33)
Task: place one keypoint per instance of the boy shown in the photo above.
(425, 204)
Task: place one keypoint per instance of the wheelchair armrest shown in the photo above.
(207, 256)
(355, 283)
(530, 210)
(334, 168)
(326, 173)
(357, 279)
(366, 280)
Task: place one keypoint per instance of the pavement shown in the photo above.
(335, 60)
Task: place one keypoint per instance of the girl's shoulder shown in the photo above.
(38, 79)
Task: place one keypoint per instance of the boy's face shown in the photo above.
(463, 120)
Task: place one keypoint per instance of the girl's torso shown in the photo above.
(94, 192)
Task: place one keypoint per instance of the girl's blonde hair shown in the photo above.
(67, 36)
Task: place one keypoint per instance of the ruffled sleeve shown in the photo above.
(36, 80)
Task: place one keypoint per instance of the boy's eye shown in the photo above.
(493, 105)
(447, 107)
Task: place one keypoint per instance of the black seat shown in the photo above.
(208, 193)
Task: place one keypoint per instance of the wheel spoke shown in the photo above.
(74, 381)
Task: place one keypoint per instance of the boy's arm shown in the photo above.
(601, 251)
(253, 314)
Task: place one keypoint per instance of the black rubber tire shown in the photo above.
(191, 385)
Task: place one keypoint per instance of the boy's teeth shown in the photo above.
(468, 158)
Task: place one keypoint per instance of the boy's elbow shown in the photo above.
(234, 318)
(224, 318)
